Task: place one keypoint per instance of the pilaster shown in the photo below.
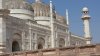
(36, 41)
(3, 14)
(46, 41)
(57, 39)
(30, 36)
(23, 40)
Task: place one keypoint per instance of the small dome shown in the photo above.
(85, 9)
(42, 9)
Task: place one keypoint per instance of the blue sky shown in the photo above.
(76, 24)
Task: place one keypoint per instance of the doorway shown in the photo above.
(40, 46)
(15, 46)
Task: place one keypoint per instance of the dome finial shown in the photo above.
(39, 1)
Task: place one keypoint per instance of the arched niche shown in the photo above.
(61, 42)
(16, 42)
(40, 46)
(15, 46)
(41, 43)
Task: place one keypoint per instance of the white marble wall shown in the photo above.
(77, 40)
(30, 34)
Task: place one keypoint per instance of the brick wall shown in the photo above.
(87, 50)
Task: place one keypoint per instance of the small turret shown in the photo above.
(85, 12)
(85, 9)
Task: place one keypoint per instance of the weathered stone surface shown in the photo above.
(87, 50)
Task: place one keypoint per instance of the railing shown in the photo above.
(87, 50)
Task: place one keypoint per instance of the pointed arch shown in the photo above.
(61, 42)
(41, 43)
(16, 42)
(15, 46)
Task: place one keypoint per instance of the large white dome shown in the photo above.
(18, 4)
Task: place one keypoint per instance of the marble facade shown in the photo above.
(27, 28)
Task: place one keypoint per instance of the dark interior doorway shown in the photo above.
(15, 46)
(40, 46)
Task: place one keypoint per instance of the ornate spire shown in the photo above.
(67, 17)
(38, 1)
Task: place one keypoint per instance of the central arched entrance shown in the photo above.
(61, 42)
(40, 46)
(41, 43)
(15, 46)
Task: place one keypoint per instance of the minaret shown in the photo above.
(85, 18)
(52, 26)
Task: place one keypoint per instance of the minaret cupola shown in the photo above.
(38, 1)
(85, 12)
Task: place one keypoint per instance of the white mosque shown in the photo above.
(25, 26)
